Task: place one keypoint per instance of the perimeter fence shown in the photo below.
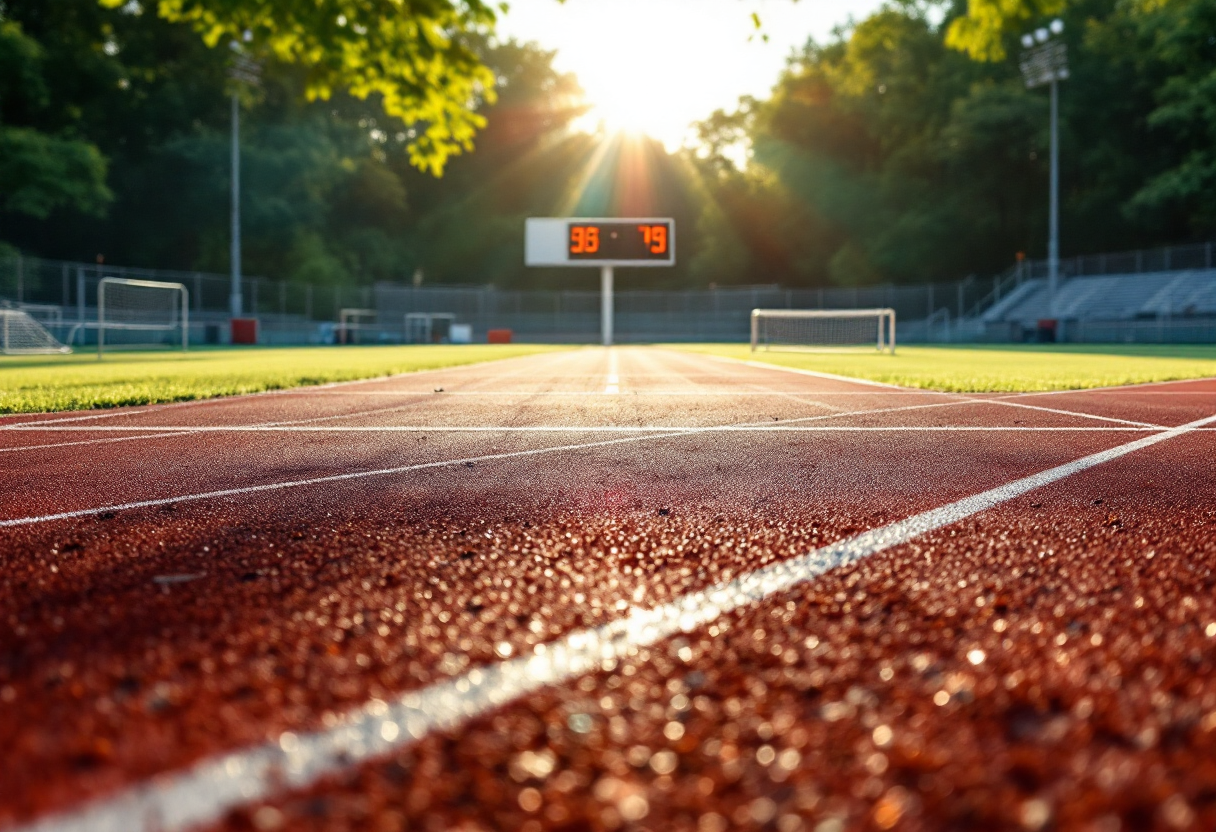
(64, 296)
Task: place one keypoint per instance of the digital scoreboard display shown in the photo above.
(619, 241)
(600, 242)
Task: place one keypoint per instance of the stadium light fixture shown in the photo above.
(1045, 63)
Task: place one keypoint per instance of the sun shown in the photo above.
(624, 105)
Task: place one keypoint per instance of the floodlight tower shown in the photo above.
(244, 71)
(1045, 62)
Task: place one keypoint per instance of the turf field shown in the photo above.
(37, 384)
(997, 368)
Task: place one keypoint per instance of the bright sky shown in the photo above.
(655, 66)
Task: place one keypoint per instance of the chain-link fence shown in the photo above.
(64, 296)
(1006, 307)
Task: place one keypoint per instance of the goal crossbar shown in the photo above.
(157, 307)
(812, 328)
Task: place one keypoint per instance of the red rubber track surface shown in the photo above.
(1049, 663)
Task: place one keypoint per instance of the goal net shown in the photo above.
(20, 334)
(429, 327)
(356, 326)
(824, 329)
(141, 314)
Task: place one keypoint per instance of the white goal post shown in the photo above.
(429, 327)
(351, 322)
(143, 310)
(21, 334)
(823, 329)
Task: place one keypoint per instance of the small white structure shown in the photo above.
(20, 334)
(823, 329)
(142, 313)
(431, 328)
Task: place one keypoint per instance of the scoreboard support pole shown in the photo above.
(606, 305)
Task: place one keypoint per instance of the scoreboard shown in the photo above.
(600, 242)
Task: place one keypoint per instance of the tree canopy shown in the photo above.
(414, 55)
(884, 153)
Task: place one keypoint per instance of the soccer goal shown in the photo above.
(429, 327)
(823, 329)
(352, 323)
(141, 314)
(21, 334)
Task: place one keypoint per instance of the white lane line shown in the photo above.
(835, 377)
(353, 475)
(276, 425)
(814, 374)
(613, 384)
(97, 441)
(107, 415)
(770, 427)
(1073, 413)
(538, 392)
(644, 435)
(175, 430)
(205, 792)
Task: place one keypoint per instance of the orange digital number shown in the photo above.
(655, 238)
(584, 239)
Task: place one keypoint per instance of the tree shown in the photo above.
(40, 170)
(415, 56)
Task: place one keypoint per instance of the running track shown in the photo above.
(610, 589)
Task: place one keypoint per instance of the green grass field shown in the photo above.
(996, 367)
(36, 384)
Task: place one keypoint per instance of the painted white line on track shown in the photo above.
(835, 377)
(613, 382)
(108, 415)
(353, 475)
(645, 434)
(814, 374)
(773, 427)
(274, 426)
(205, 792)
(169, 432)
(98, 441)
(1073, 413)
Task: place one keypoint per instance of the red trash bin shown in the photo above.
(244, 330)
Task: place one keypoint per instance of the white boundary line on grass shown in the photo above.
(206, 791)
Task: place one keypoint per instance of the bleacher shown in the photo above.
(1165, 305)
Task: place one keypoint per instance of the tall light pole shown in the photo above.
(244, 71)
(1045, 62)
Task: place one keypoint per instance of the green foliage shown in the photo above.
(1176, 49)
(985, 32)
(888, 155)
(413, 55)
(40, 171)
